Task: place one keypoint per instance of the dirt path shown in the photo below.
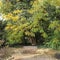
(28, 54)
(40, 58)
(32, 57)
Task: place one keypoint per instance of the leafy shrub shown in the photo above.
(37, 20)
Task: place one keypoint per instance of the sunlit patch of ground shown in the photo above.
(11, 53)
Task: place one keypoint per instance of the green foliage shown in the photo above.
(2, 31)
(37, 20)
(14, 38)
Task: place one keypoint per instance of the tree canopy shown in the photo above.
(36, 21)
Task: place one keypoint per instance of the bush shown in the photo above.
(36, 20)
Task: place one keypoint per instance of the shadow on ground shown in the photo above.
(57, 56)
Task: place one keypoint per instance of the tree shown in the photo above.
(32, 21)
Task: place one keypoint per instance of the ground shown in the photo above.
(28, 53)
